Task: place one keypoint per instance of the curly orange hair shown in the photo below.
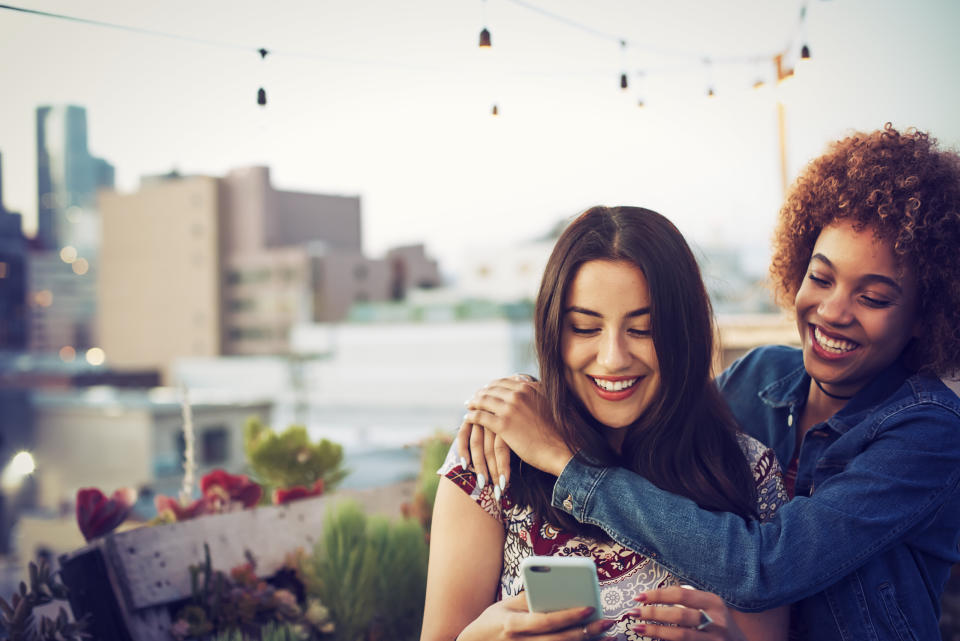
(905, 189)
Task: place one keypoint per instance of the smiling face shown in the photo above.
(856, 309)
(609, 358)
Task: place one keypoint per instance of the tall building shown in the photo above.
(204, 266)
(62, 270)
(13, 279)
(68, 178)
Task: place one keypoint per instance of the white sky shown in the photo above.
(391, 101)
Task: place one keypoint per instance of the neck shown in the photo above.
(837, 397)
(820, 405)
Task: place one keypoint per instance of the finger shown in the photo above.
(491, 399)
(491, 460)
(677, 595)
(463, 443)
(687, 617)
(501, 452)
(476, 452)
(672, 633)
(546, 622)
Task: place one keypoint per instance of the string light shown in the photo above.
(485, 41)
(261, 92)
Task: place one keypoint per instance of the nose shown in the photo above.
(614, 354)
(835, 308)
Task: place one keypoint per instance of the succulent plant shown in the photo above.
(17, 618)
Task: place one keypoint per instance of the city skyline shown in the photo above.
(393, 104)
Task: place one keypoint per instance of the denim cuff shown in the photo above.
(575, 486)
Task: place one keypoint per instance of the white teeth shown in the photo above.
(833, 345)
(614, 386)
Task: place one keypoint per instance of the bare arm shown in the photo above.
(466, 555)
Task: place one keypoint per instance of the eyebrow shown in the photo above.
(866, 278)
(643, 311)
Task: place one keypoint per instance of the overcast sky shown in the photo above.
(391, 101)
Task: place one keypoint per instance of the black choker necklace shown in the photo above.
(836, 396)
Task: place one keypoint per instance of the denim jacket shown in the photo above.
(866, 545)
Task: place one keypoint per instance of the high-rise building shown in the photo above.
(62, 269)
(204, 266)
(13, 280)
(68, 178)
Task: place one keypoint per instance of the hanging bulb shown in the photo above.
(623, 81)
(261, 92)
(711, 93)
(640, 103)
(758, 84)
(495, 111)
(485, 38)
(805, 52)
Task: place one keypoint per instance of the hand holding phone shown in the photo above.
(554, 583)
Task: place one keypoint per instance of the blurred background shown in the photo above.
(336, 213)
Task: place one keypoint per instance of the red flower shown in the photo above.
(221, 489)
(97, 515)
(169, 508)
(282, 496)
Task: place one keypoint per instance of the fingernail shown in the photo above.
(496, 492)
(642, 597)
(463, 462)
(606, 625)
(587, 611)
(503, 482)
(465, 415)
(687, 587)
(481, 481)
(640, 627)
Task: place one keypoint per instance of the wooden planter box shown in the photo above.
(126, 581)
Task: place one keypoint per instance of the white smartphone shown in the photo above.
(559, 582)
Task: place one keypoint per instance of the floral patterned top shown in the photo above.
(623, 573)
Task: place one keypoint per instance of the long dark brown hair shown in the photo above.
(685, 442)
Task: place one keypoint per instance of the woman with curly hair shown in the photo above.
(867, 254)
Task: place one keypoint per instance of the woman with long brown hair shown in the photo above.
(624, 340)
(867, 255)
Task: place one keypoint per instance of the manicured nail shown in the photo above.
(640, 627)
(642, 597)
(481, 481)
(606, 625)
(465, 415)
(503, 482)
(587, 611)
(496, 492)
(463, 462)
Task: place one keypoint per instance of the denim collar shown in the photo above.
(791, 391)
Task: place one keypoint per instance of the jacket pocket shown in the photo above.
(895, 617)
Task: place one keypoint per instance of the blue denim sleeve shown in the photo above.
(907, 475)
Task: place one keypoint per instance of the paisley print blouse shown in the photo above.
(623, 573)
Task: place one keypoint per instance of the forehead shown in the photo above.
(843, 243)
(609, 287)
